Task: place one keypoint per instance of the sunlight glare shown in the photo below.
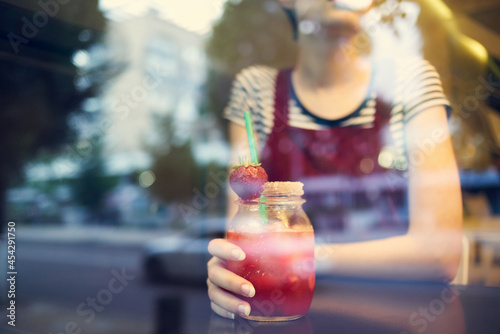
(192, 15)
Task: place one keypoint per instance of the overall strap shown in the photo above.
(273, 159)
(282, 98)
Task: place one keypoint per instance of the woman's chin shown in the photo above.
(339, 30)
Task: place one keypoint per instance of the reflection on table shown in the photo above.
(219, 325)
(350, 306)
(378, 307)
(359, 307)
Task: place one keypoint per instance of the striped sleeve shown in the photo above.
(253, 90)
(238, 101)
(420, 88)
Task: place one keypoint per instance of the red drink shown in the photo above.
(280, 265)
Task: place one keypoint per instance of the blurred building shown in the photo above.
(149, 69)
(163, 74)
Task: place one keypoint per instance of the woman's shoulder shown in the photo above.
(406, 75)
(411, 70)
(257, 76)
(403, 65)
(419, 86)
(258, 71)
(253, 89)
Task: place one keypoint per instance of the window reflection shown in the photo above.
(113, 136)
(240, 325)
(143, 67)
(430, 309)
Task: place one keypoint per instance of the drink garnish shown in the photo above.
(247, 180)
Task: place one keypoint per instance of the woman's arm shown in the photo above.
(430, 251)
(432, 247)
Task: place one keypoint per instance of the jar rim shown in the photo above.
(283, 188)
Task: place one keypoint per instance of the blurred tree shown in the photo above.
(249, 32)
(215, 178)
(39, 89)
(176, 170)
(92, 185)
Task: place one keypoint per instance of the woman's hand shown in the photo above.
(220, 280)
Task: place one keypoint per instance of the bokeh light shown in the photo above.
(146, 179)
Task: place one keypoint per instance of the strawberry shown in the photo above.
(247, 181)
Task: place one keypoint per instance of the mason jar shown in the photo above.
(278, 240)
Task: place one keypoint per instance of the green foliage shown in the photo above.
(249, 32)
(176, 170)
(37, 79)
(92, 185)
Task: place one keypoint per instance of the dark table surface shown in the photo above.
(54, 282)
(341, 306)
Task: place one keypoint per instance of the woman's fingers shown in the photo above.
(220, 276)
(223, 249)
(225, 304)
(221, 311)
(221, 281)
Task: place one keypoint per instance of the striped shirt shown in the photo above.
(416, 87)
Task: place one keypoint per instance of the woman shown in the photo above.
(331, 115)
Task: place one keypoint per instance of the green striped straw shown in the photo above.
(251, 138)
(253, 155)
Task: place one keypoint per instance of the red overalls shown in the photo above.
(345, 187)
